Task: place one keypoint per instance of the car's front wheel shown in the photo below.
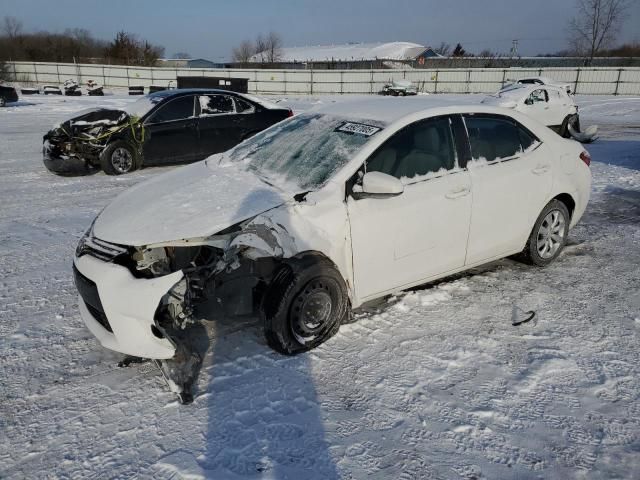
(304, 305)
(118, 158)
(3, 101)
(549, 235)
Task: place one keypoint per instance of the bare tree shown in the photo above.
(273, 44)
(12, 27)
(595, 25)
(444, 49)
(181, 56)
(459, 51)
(261, 48)
(243, 52)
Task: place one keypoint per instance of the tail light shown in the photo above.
(290, 113)
(586, 158)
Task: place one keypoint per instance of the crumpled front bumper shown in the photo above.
(63, 165)
(119, 309)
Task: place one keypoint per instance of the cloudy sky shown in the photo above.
(211, 28)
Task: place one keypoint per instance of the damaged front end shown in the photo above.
(74, 146)
(188, 281)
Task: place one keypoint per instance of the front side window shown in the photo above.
(497, 138)
(215, 104)
(538, 96)
(423, 148)
(176, 109)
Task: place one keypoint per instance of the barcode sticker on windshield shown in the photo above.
(358, 128)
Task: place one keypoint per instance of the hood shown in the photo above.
(189, 202)
(91, 118)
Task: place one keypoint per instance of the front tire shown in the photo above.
(3, 101)
(118, 158)
(304, 305)
(549, 235)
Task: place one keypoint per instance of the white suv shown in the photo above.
(323, 212)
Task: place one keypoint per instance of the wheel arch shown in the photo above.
(568, 201)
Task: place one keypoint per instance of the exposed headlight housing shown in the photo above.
(80, 249)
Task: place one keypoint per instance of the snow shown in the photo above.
(351, 51)
(433, 383)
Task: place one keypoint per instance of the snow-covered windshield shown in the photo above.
(305, 151)
(142, 106)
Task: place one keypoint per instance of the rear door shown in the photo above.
(511, 179)
(171, 132)
(221, 127)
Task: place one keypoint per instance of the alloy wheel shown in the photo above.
(122, 160)
(551, 234)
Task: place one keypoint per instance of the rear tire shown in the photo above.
(574, 121)
(549, 235)
(304, 305)
(118, 158)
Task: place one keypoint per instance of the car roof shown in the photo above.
(174, 92)
(390, 109)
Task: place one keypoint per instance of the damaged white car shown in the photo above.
(321, 213)
(550, 105)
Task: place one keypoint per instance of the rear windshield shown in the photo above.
(304, 152)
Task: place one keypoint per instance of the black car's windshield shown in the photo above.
(303, 153)
(142, 106)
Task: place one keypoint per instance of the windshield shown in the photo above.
(142, 106)
(304, 152)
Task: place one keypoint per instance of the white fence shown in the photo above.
(593, 81)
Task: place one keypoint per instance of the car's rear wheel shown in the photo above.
(3, 102)
(549, 235)
(574, 121)
(118, 158)
(304, 305)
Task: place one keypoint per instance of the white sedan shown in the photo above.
(550, 105)
(323, 212)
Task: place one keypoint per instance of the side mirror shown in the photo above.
(528, 101)
(379, 185)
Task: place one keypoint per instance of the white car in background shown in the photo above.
(321, 213)
(550, 105)
(540, 81)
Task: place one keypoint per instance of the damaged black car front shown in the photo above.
(100, 138)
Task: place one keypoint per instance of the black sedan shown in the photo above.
(167, 127)
(7, 95)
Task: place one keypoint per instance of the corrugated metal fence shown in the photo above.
(594, 81)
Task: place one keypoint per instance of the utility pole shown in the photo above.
(514, 48)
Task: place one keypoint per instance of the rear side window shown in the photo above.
(419, 149)
(176, 109)
(242, 106)
(497, 138)
(215, 104)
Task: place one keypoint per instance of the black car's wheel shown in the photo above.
(119, 157)
(304, 305)
(3, 102)
(549, 235)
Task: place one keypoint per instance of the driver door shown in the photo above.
(421, 233)
(172, 132)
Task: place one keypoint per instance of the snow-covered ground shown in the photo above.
(434, 383)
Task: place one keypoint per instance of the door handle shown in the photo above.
(190, 125)
(540, 169)
(458, 193)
